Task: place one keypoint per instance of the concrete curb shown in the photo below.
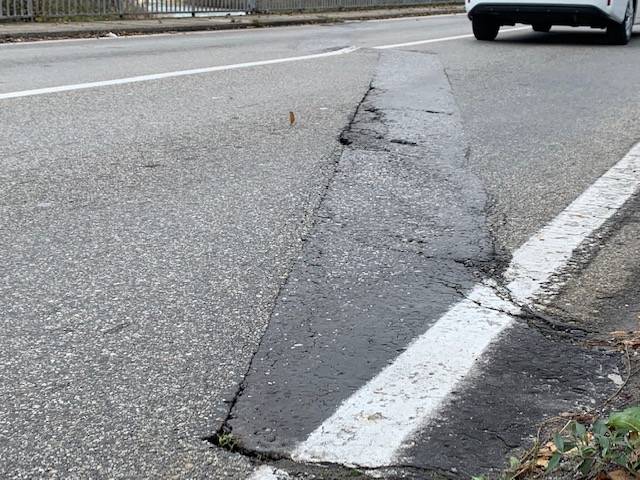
(18, 32)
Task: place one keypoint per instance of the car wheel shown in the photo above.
(485, 29)
(620, 33)
(541, 27)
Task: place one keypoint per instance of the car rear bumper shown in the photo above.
(529, 13)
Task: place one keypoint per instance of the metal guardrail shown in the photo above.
(267, 6)
(71, 8)
(34, 9)
(156, 7)
(17, 9)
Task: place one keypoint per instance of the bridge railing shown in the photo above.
(43, 9)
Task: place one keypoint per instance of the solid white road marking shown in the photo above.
(179, 73)
(544, 254)
(442, 39)
(266, 472)
(370, 427)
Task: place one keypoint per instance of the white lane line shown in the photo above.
(371, 426)
(548, 251)
(179, 73)
(442, 39)
(266, 472)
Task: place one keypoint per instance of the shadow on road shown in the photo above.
(578, 37)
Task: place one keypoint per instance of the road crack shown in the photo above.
(225, 430)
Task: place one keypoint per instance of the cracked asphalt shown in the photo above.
(383, 247)
(180, 261)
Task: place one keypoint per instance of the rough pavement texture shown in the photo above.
(526, 377)
(127, 212)
(605, 296)
(401, 236)
(141, 255)
(395, 244)
(537, 138)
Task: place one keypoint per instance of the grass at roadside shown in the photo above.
(601, 444)
(603, 449)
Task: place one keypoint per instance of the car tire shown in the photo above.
(485, 29)
(620, 33)
(541, 27)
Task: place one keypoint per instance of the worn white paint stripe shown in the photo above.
(179, 73)
(441, 39)
(548, 251)
(265, 472)
(371, 426)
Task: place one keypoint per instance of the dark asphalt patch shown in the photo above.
(394, 246)
(527, 377)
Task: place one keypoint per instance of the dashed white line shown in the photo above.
(179, 73)
(442, 39)
(370, 428)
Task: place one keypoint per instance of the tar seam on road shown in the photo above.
(370, 428)
(265, 472)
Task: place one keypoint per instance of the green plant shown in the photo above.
(600, 447)
(226, 441)
(585, 447)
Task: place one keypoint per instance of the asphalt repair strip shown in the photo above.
(395, 244)
(379, 267)
(371, 427)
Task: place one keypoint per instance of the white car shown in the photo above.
(616, 16)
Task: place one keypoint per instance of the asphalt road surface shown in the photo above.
(403, 280)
